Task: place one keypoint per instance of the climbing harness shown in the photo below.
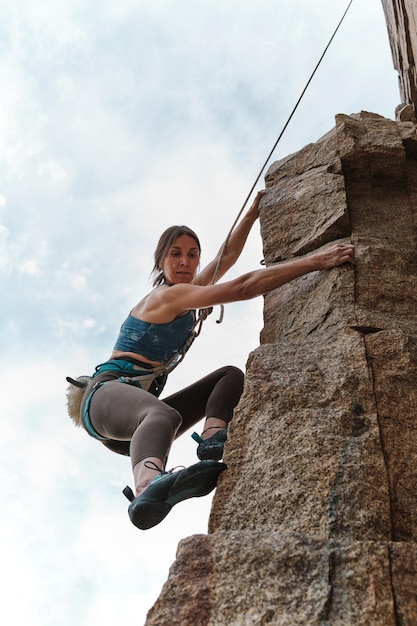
(130, 371)
(223, 249)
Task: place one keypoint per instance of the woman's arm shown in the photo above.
(172, 301)
(229, 254)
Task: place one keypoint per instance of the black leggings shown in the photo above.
(123, 413)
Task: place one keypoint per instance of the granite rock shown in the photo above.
(315, 521)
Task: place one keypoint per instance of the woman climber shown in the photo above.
(120, 404)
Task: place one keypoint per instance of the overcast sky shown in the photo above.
(118, 119)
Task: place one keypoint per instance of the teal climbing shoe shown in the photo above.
(169, 488)
(211, 448)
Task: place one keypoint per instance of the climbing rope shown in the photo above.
(203, 313)
(271, 153)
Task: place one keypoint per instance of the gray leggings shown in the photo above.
(136, 422)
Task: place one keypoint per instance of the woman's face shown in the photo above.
(181, 261)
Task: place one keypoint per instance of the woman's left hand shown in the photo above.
(337, 254)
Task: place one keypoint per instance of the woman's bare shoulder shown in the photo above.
(154, 307)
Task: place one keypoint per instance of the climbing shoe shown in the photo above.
(169, 488)
(211, 448)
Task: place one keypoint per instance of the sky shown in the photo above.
(117, 120)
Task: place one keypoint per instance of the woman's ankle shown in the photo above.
(211, 426)
(144, 473)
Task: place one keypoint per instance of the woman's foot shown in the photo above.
(169, 488)
(211, 447)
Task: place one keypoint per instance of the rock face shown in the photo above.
(401, 18)
(315, 522)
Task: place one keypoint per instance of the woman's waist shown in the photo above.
(137, 359)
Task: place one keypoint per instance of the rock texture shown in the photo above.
(315, 522)
(401, 18)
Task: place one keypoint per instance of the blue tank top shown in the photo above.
(157, 342)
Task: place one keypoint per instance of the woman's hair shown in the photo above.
(165, 242)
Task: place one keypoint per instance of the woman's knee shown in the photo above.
(235, 376)
(171, 415)
(160, 418)
(232, 370)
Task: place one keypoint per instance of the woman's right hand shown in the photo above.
(254, 209)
